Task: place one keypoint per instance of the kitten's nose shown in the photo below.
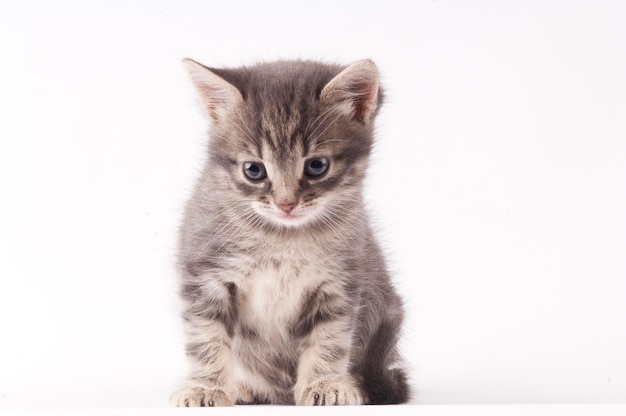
(287, 206)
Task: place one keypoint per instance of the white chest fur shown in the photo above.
(272, 293)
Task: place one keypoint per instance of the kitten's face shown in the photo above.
(291, 139)
(299, 185)
(289, 193)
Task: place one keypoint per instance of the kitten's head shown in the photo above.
(289, 140)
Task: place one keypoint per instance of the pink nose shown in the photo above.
(287, 206)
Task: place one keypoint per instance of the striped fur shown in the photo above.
(287, 306)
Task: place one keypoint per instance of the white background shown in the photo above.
(498, 185)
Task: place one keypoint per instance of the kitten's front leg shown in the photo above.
(208, 324)
(323, 369)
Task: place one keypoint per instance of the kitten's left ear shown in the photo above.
(355, 90)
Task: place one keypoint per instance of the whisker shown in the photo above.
(317, 122)
(326, 129)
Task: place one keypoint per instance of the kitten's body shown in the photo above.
(287, 297)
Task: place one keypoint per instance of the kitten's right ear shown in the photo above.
(217, 95)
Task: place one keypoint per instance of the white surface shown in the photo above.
(423, 410)
(499, 186)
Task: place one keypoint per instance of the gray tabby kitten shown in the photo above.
(286, 295)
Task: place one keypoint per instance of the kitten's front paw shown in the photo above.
(200, 396)
(331, 391)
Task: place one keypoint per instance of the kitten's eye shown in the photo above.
(316, 167)
(254, 171)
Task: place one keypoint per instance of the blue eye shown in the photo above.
(254, 171)
(316, 167)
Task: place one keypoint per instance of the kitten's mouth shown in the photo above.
(290, 219)
(289, 215)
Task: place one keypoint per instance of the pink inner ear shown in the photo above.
(356, 85)
(213, 99)
(216, 94)
(363, 98)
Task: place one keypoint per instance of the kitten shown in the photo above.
(287, 299)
